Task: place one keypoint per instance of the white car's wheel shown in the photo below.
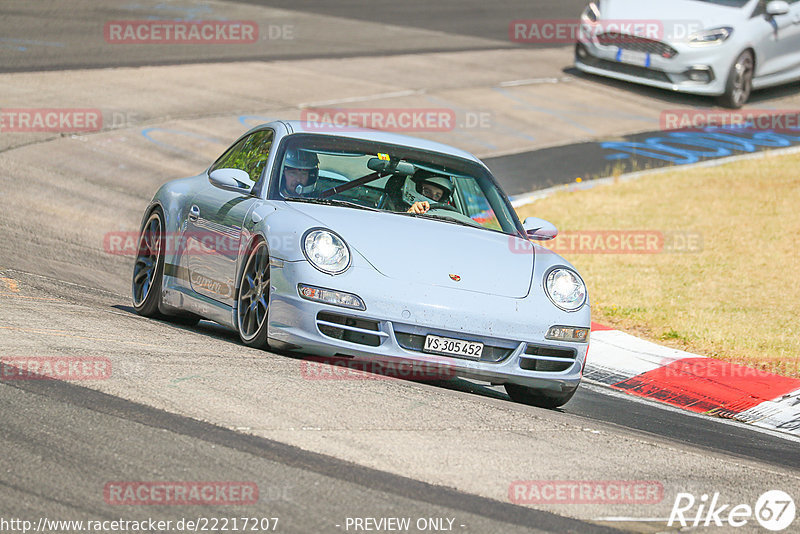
(740, 81)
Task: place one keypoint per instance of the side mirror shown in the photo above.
(777, 7)
(235, 180)
(539, 229)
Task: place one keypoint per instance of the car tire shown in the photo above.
(252, 299)
(537, 397)
(148, 273)
(739, 84)
(148, 268)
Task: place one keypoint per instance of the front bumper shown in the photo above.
(673, 74)
(392, 328)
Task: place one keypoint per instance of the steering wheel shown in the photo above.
(443, 206)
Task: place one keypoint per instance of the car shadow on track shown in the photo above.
(219, 332)
(758, 96)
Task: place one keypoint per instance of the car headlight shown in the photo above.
(326, 251)
(592, 13)
(710, 37)
(565, 288)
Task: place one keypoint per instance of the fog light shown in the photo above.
(329, 296)
(568, 333)
(699, 74)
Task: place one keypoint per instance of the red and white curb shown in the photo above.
(691, 382)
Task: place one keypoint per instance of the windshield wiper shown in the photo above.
(330, 202)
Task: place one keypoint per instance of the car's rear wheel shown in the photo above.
(740, 81)
(537, 397)
(148, 272)
(148, 268)
(253, 300)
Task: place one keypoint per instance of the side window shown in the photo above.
(249, 154)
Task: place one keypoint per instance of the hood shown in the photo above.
(678, 17)
(425, 251)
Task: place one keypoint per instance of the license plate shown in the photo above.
(453, 347)
(632, 57)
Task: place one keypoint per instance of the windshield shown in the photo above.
(365, 175)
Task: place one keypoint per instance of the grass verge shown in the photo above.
(724, 281)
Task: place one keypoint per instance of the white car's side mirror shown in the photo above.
(777, 7)
(539, 229)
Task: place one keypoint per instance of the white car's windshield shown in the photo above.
(361, 174)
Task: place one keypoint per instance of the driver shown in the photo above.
(300, 171)
(433, 186)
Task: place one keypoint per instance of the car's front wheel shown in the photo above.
(537, 397)
(740, 81)
(253, 300)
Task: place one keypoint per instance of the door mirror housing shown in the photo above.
(235, 180)
(539, 229)
(777, 7)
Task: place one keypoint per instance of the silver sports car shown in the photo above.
(721, 48)
(365, 245)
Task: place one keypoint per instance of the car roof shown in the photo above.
(366, 134)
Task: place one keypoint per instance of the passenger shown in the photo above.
(430, 187)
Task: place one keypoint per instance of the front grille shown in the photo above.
(624, 68)
(638, 44)
(547, 359)
(416, 342)
(352, 329)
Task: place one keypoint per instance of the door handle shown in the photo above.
(194, 213)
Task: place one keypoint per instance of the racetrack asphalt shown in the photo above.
(193, 404)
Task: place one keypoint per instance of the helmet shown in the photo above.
(300, 159)
(296, 158)
(422, 176)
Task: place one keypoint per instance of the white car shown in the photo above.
(721, 48)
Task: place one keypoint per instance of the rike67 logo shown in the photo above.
(774, 510)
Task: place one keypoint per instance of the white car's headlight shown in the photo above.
(326, 251)
(565, 288)
(710, 37)
(591, 14)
